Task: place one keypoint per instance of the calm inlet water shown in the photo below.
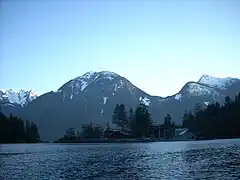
(217, 159)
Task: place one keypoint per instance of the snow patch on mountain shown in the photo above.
(105, 100)
(109, 75)
(200, 90)
(178, 96)
(115, 87)
(121, 82)
(84, 85)
(145, 100)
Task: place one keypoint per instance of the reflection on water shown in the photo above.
(218, 159)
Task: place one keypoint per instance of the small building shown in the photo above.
(116, 133)
(182, 134)
(159, 131)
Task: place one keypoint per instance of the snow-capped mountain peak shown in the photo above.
(193, 89)
(81, 83)
(103, 82)
(92, 74)
(20, 97)
(216, 82)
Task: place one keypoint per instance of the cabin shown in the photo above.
(116, 133)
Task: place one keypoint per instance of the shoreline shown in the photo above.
(108, 141)
(83, 141)
(133, 140)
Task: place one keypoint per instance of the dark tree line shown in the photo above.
(215, 121)
(15, 130)
(89, 131)
(139, 121)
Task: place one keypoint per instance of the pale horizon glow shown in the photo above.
(157, 45)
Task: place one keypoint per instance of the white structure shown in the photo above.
(183, 134)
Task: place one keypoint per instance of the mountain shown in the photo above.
(19, 97)
(13, 100)
(93, 96)
(226, 86)
(219, 83)
(88, 98)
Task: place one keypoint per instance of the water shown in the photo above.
(217, 159)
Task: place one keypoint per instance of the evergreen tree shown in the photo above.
(168, 120)
(115, 119)
(189, 121)
(142, 121)
(34, 132)
(130, 117)
(197, 108)
(168, 126)
(28, 131)
(120, 116)
(228, 101)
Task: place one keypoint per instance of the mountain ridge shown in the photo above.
(93, 96)
(20, 97)
(205, 80)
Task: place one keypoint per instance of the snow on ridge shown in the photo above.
(20, 97)
(89, 74)
(84, 84)
(81, 82)
(145, 100)
(215, 81)
(3, 90)
(110, 78)
(198, 89)
(107, 75)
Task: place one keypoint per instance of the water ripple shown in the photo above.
(218, 159)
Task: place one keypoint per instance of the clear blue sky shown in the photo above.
(157, 45)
